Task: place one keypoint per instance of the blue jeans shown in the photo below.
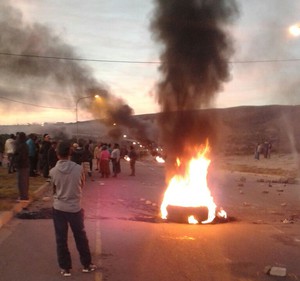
(76, 221)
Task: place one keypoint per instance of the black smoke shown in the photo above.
(35, 62)
(27, 61)
(194, 64)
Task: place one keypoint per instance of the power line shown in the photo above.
(36, 105)
(265, 61)
(137, 62)
(78, 59)
(116, 61)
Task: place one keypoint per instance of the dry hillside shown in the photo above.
(242, 128)
(236, 130)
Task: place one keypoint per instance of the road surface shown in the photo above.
(129, 241)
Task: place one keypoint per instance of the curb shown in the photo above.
(6, 216)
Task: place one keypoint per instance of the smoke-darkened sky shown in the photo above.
(119, 30)
(195, 64)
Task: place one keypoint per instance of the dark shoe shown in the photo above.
(65, 272)
(89, 268)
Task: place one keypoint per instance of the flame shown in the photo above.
(127, 158)
(159, 159)
(192, 220)
(222, 214)
(190, 189)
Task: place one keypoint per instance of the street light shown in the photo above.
(76, 109)
(294, 30)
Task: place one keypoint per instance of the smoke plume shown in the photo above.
(194, 65)
(35, 63)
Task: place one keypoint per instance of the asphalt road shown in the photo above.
(129, 241)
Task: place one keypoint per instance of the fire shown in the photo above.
(192, 220)
(159, 159)
(190, 189)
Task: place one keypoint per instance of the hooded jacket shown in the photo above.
(67, 179)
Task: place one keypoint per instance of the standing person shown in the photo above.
(115, 158)
(256, 151)
(21, 162)
(32, 151)
(67, 180)
(109, 148)
(46, 144)
(91, 149)
(104, 157)
(37, 155)
(76, 155)
(97, 155)
(269, 150)
(133, 156)
(52, 156)
(1, 151)
(9, 149)
(266, 149)
(86, 158)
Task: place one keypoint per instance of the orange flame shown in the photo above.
(190, 189)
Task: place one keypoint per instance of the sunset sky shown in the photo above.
(115, 47)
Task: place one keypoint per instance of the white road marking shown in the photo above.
(98, 250)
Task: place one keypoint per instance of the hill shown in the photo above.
(243, 127)
(237, 129)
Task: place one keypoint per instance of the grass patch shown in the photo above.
(9, 190)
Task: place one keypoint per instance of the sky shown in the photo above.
(118, 52)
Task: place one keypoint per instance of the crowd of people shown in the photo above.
(264, 149)
(31, 156)
(105, 157)
(40, 153)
